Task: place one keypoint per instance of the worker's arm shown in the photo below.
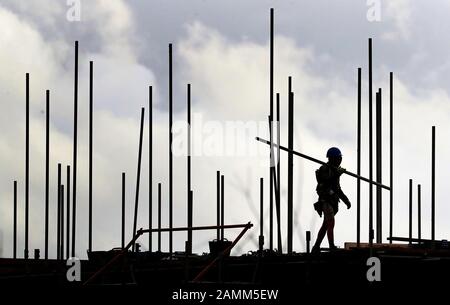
(342, 196)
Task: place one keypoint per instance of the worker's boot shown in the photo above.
(315, 249)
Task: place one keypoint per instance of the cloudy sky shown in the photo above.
(221, 48)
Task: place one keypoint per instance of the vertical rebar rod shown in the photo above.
(15, 222)
(308, 242)
(27, 159)
(290, 93)
(271, 207)
(272, 174)
(278, 190)
(290, 203)
(75, 139)
(222, 206)
(58, 214)
(189, 186)
(419, 213)
(47, 168)
(370, 147)
(218, 204)
(271, 59)
(159, 217)
(379, 164)
(391, 155)
(410, 209)
(61, 245)
(123, 210)
(68, 213)
(358, 165)
(433, 180)
(170, 152)
(261, 214)
(190, 216)
(271, 116)
(150, 167)
(274, 183)
(138, 174)
(91, 118)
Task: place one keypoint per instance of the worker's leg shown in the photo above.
(328, 214)
(330, 233)
(321, 234)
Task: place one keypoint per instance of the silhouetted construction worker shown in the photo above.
(330, 192)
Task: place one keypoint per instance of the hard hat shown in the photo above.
(334, 152)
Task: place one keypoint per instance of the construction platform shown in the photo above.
(399, 263)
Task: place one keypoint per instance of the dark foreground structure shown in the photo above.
(398, 263)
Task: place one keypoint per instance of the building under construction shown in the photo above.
(405, 259)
